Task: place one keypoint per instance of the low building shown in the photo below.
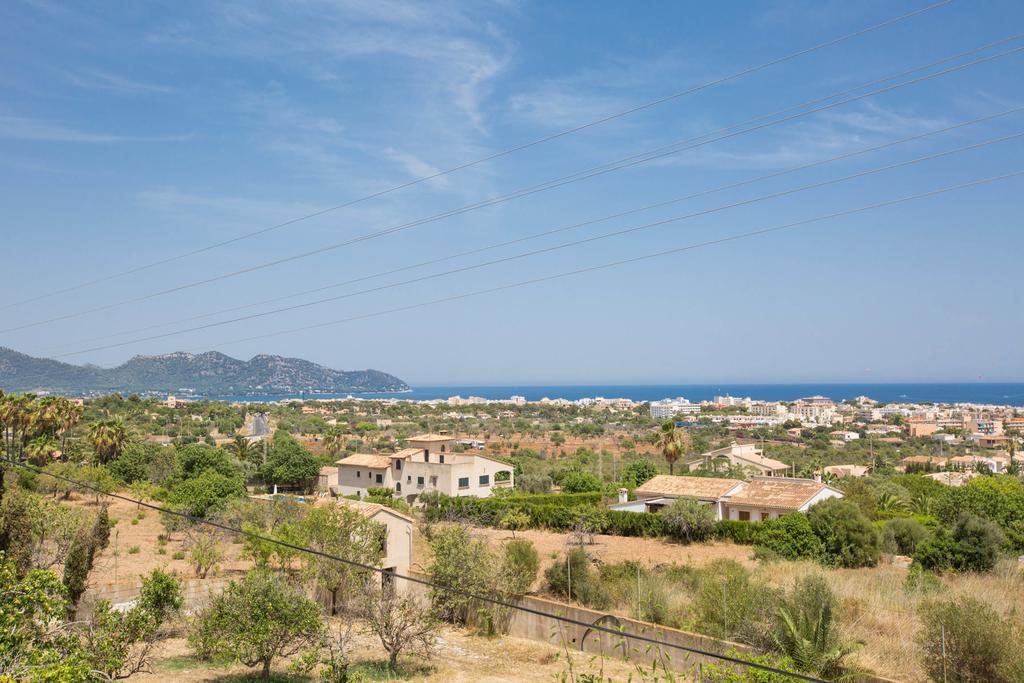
(848, 470)
(668, 408)
(917, 429)
(748, 456)
(661, 490)
(771, 497)
(953, 478)
(397, 540)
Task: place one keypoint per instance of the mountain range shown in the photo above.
(210, 373)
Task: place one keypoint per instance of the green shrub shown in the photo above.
(731, 604)
(848, 538)
(743, 533)
(966, 640)
(645, 524)
(807, 633)
(637, 472)
(901, 536)
(998, 498)
(973, 545)
(688, 520)
(790, 537)
(573, 577)
(133, 550)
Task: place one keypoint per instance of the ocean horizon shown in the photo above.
(1000, 393)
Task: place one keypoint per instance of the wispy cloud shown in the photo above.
(20, 128)
(95, 79)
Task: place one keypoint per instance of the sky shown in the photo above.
(135, 133)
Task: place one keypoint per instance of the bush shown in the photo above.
(572, 577)
(998, 498)
(902, 535)
(848, 538)
(646, 524)
(806, 632)
(688, 520)
(197, 458)
(743, 533)
(730, 604)
(789, 537)
(966, 640)
(206, 493)
(973, 545)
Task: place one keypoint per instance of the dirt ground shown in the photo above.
(459, 658)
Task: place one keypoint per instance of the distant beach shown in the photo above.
(966, 392)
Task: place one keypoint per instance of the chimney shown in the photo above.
(623, 495)
(817, 477)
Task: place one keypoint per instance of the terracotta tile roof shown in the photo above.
(431, 437)
(368, 509)
(781, 493)
(405, 453)
(378, 462)
(690, 487)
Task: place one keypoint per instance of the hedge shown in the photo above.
(552, 511)
(744, 533)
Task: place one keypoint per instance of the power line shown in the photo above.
(511, 150)
(628, 162)
(546, 233)
(635, 259)
(557, 247)
(414, 579)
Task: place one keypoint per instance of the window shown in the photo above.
(358, 474)
(485, 480)
(503, 475)
(398, 486)
(433, 481)
(442, 448)
(408, 479)
(426, 455)
(398, 464)
(744, 515)
(380, 479)
(442, 459)
(419, 482)
(463, 482)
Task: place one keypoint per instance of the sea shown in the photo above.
(966, 392)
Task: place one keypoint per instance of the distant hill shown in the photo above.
(208, 373)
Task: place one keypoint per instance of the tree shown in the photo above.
(847, 537)
(637, 472)
(77, 564)
(241, 448)
(334, 441)
(671, 445)
(205, 552)
(123, 643)
(688, 520)
(255, 620)
(462, 562)
(401, 623)
(35, 643)
(288, 462)
(108, 439)
(206, 493)
(341, 532)
(580, 482)
(196, 458)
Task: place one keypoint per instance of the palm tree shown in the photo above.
(334, 441)
(41, 448)
(671, 445)
(891, 502)
(241, 447)
(108, 437)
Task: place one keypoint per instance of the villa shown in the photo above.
(428, 463)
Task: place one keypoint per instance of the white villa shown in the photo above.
(759, 499)
(747, 456)
(428, 463)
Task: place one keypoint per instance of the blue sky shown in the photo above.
(131, 132)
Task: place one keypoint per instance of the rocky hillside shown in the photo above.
(210, 373)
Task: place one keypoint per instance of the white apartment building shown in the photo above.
(768, 409)
(668, 408)
(817, 409)
(428, 463)
(732, 401)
